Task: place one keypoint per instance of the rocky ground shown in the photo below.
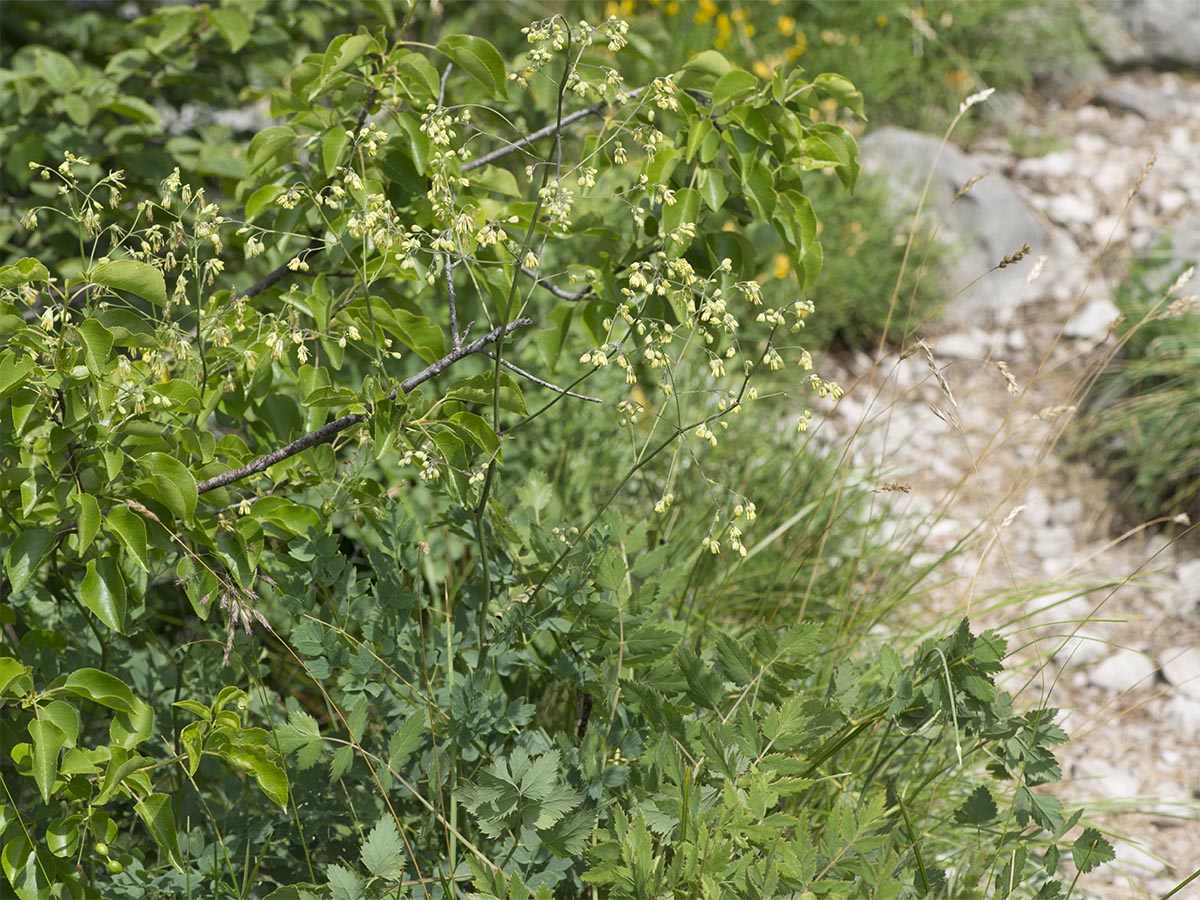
(1106, 624)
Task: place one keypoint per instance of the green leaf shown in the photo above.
(271, 145)
(703, 69)
(14, 371)
(56, 68)
(733, 85)
(419, 79)
(479, 59)
(133, 108)
(759, 189)
(191, 737)
(285, 514)
(343, 883)
(103, 592)
(130, 529)
(25, 270)
(978, 809)
(383, 852)
(65, 716)
(263, 198)
(406, 739)
(138, 278)
(158, 817)
(87, 521)
(478, 389)
(102, 688)
(302, 736)
(343, 52)
(703, 686)
(1090, 850)
(233, 25)
(842, 90)
(14, 677)
(419, 333)
(681, 213)
(97, 344)
(26, 555)
(48, 740)
(170, 483)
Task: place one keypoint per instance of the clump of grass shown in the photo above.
(1142, 415)
(918, 61)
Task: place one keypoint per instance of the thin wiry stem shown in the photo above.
(546, 384)
(545, 131)
(326, 433)
(573, 296)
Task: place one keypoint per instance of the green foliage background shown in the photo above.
(476, 635)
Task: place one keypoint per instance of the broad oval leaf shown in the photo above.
(103, 592)
(170, 483)
(479, 59)
(156, 814)
(138, 278)
(102, 688)
(48, 740)
(130, 529)
(26, 555)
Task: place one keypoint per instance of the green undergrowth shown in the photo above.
(1142, 413)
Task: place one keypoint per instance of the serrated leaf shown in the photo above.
(25, 556)
(479, 59)
(138, 278)
(978, 809)
(103, 592)
(383, 852)
(703, 686)
(158, 817)
(342, 758)
(1090, 850)
(130, 529)
(302, 736)
(406, 739)
(343, 884)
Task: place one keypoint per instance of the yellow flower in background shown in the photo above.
(783, 265)
(672, 7)
(761, 69)
(881, 21)
(724, 30)
(798, 48)
(707, 9)
(786, 26)
(956, 78)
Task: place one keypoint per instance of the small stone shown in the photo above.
(1132, 858)
(1102, 779)
(1080, 649)
(1092, 322)
(1181, 668)
(1123, 671)
(1183, 714)
(974, 343)
(1068, 209)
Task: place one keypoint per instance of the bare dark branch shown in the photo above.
(326, 433)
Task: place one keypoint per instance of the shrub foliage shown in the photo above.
(295, 601)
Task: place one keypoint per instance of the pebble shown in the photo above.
(1181, 668)
(1125, 670)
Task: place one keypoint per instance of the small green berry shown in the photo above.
(101, 848)
(115, 867)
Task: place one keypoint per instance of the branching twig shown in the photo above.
(328, 432)
(573, 296)
(546, 384)
(545, 131)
